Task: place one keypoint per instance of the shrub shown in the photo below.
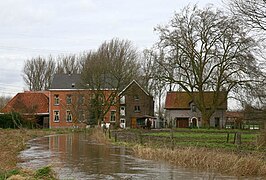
(45, 173)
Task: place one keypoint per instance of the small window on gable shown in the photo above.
(113, 116)
(56, 99)
(193, 108)
(136, 97)
(137, 108)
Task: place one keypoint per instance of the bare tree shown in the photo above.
(68, 64)
(108, 70)
(205, 50)
(150, 76)
(3, 101)
(38, 73)
(253, 12)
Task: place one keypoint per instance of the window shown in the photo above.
(136, 97)
(122, 111)
(217, 122)
(81, 116)
(56, 116)
(56, 99)
(122, 120)
(194, 108)
(81, 100)
(137, 108)
(122, 100)
(68, 116)
(69, 99)
(113, 116)
(113, 101)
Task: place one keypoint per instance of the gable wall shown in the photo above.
(144, 101)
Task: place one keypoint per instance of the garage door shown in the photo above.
(182, 122)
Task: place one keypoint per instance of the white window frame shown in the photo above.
(56, 99)
(69, 116)
(56, 115)
(122, 110)
(69, 99)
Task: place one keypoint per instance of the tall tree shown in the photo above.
(111, 67)
(38, 73)
(150, 76)
(252, 11)
(69, 64)
(206, 50)
(3, 101)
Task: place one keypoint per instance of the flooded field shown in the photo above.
(75, 157)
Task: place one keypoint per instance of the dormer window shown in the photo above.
(193, 108)
(73, 85)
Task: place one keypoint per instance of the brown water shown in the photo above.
(74, 157)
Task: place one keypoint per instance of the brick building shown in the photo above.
(70, 103)
(136, 105)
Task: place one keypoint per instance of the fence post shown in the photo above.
(140, 138)
(235, 138)
(238, 139)
(109, 132)
(115, 136)
(172, 139)
(227, 138)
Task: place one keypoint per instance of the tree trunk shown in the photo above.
(205, 120)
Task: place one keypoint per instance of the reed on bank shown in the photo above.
(207, 159)
(12, 141)
(99, 135)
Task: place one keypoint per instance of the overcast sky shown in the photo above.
(29, 28)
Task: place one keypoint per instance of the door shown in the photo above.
(182, 123)
(133, 122)
(194, 122)
(217, 122)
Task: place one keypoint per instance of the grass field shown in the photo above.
(202, 149)
(209, 138)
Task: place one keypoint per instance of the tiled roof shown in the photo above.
(66, 81)
(235, 114)
(182, 100)
(28, 102)
(75, 81)
(130, 84)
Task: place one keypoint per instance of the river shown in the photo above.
(73, 156)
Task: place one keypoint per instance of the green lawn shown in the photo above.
(209, 138)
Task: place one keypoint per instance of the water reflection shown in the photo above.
(74, 157)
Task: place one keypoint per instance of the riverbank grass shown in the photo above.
(211, 160)
(205, 150)
(12, 141)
